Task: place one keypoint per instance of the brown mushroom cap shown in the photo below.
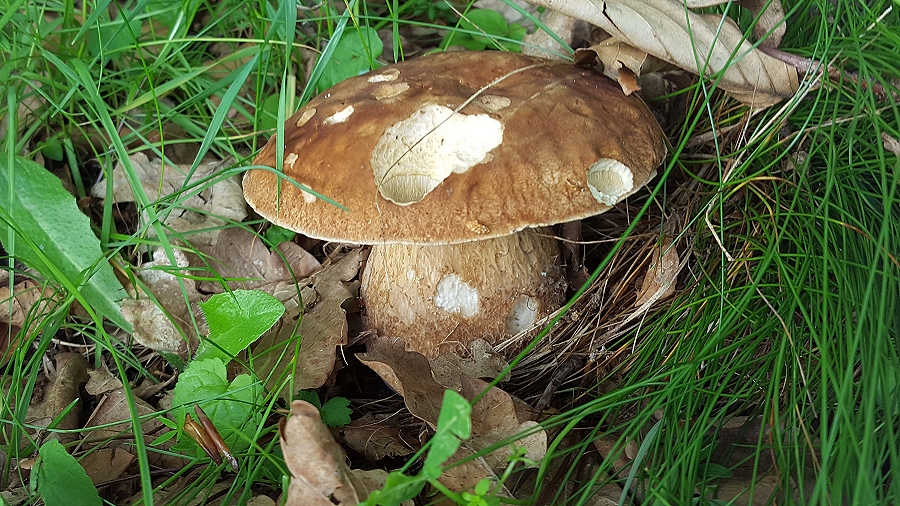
(490, 143)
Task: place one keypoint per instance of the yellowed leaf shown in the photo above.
(698, 44)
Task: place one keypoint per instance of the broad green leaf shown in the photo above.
(485, 25)
(353, 55)
(336, 412)
(44, 212)
(235, 320)
(397, 488)
(454, 424)
(60, 480)
(232, 407)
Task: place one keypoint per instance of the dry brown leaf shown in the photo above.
(241, 256)
(106, 464)
(701, 45)
(24, 296)
(153, 327)
(320, 477)
(64, 388)
(659, 283)
(891, 144)
(737, 490)
(322, 328)
(376, 437)
(113, 408)
(214, 206)
(482, 362)
(494, 418)
(769, 28)
(567, 28)
(101, 381)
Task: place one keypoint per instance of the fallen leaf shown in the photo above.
(699, 44)
(106, 464)
(376, 437)
(113, 413)
(205, 209)
(481, 362)
(319, 475)
(25, 296)
(567, 28)
(101, 381)
(494, 419)
(659, 283)
(63, 389)
(154, 326)
(318, 328)
(241, 257)
(769, 27)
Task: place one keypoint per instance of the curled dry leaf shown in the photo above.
(24, 296)
(200, 209)
(319, 475)
(240, 256)
(494, 418)
(101, 381)
(377, 437)
(318, 328)
(152, 326)
(699, 44)
(63, 388)
(659, 283)
(106, 464)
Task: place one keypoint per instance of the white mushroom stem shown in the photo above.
(445, 296)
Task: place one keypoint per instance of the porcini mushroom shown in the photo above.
(449, 164)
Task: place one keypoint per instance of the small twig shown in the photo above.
(560, 376)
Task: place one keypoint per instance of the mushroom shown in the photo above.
(452, 165)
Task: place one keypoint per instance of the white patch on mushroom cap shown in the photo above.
(306, 116)
(609, 180)
(522, 315)
(455, 296)
(291, 159)
(492, 103)
(387, 75)
(340, 116)
(418, 153)
(389, 90)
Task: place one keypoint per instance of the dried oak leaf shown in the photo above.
(24, 297)
(205, 208)
(320, 476)
(659, 283)
(307, 337)
(494, 417)
(106, 464)
(241, 257)
(697, 43)
(63, 388)
(155, 327)
(376, 437)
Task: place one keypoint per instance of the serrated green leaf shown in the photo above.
(60, 480)
(42, 210)
(353, 55)
(310, 396)
(336, 412)
(231, 406)
(454, 424)
(236, 320)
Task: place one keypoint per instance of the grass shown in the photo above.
(786, 314)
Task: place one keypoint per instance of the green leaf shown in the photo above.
(276, 235)
(336, 412)
(59, 233)
(486, 26)
(397, 488)
(60, 480)
(355, 54)
(454, 424)
(310, 396)
(236, 320)
(231, 406)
